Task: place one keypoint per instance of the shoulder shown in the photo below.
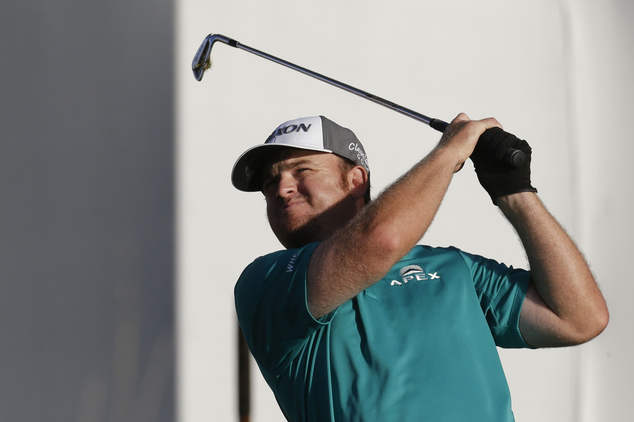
(456, 255)
(477, 265)
(284, 261)
(435, 252)
(272, 272)
(265, 261)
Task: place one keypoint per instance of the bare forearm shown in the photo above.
(362, 252)
(382, 233)
(559, 274)
(404, 212)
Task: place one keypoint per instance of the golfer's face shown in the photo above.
(300, 187)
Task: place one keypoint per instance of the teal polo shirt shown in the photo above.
(419, 345)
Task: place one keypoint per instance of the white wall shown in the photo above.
(556, 73)
(602, 74)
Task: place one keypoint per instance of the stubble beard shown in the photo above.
(295, 232)
(298, 231)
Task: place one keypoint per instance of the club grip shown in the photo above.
(513, 156)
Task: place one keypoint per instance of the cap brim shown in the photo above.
(247, 170)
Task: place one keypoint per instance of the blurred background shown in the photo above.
(121, 237)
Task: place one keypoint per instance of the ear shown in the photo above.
(358, 181)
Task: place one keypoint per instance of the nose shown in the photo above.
(287, 185)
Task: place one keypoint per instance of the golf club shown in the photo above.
(202, 62)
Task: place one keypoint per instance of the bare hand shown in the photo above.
(462, 135)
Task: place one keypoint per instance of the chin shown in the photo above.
(295, 233)
(302, 236)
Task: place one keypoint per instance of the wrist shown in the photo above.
(450, 156)
(512, 203)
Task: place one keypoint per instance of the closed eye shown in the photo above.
(302, 170)
(267, 183)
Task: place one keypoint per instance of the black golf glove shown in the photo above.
(498, 177)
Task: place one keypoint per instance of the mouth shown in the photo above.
(292, 204)
(290, 214)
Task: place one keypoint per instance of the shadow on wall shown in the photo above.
(86, 221)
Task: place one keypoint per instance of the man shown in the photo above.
(356, 322)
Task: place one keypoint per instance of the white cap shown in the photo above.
(315, 133)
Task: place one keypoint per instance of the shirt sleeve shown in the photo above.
(501, 290)
(272, 310)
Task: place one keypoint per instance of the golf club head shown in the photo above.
(202, 59)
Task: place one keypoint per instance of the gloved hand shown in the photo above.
(496, 176)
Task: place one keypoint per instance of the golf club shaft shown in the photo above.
(206, 48)
(201, 63)
(430, 121)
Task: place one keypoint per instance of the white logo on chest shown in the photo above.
(413, 273)
(291, 264)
